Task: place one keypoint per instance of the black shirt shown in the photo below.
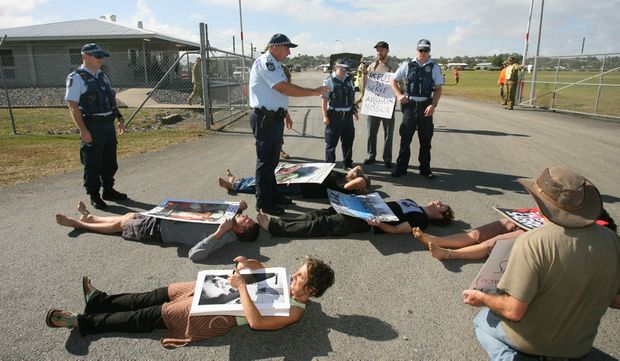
(407, 211)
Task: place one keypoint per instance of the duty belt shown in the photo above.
(98, 118)
(270, 116)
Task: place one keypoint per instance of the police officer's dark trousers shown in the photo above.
(268, 137)
(318, 223)
(413, 119)
(340, 127)
(99, 157)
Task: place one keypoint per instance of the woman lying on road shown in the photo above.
(352, 182)
(168, 307)
(328, 222)
(479, 242)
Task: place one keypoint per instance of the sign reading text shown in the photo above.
(379, 98)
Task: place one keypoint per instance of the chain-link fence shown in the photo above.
(584, 84)
(160, 79)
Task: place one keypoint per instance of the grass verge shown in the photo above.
(47, 142)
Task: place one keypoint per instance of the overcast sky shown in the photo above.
(454, 27)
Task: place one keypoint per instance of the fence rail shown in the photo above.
(144, 78)
(583, 84)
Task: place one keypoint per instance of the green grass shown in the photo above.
(482, 85)
(47, 142)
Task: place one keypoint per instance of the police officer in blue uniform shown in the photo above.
(423, 82)
(92, 104)
(338, 108)
(269, 92)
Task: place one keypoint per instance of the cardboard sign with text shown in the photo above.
(379, 98)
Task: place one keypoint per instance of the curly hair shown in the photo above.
(446, 219)
(320, 275)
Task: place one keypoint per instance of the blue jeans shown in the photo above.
(493, 339)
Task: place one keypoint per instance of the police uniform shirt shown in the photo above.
(401, 73)
(265, 74)
(329, 82)
(76, 86)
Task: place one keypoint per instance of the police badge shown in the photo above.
(427, 68)
(270, 66)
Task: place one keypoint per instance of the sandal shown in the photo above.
(87, 289)
(56, 314)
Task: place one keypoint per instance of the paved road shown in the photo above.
(391, 299)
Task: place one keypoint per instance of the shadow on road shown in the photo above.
(304, 340)
(479, 132)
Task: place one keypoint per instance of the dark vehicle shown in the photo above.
(354, 62)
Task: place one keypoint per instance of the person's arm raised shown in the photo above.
(293, 90)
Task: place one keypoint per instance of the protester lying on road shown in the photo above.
(169, 307)
(205, 238)
(479, 242)
(327, 222)
(352, 182)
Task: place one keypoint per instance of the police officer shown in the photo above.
(338, 112)
(423, 82)
(269, 92)
(92, 105)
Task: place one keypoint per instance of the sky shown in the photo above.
(323, 27)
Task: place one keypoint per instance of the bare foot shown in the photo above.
(231, 177)
(225, 184)
(82, 209)
(424, 238)
(65, 221)
(263, 220)
(438, 252)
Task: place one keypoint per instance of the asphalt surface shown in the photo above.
(391, 300)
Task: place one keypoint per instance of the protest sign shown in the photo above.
(364, 207)
(185, 210)
(525, 218)
(493, 269)
(379, 98)
(268, 288)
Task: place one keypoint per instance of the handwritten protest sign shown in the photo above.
(495, 266)
(379, 98)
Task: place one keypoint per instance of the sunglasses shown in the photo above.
(424, 50)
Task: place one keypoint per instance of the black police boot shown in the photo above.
(282, 200)
(273, 210)
(96, 201)
(111, 194)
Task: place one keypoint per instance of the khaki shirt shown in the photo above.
(568, 277)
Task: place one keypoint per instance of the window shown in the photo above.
(8, 63)
(6, 57)
(75, 55)
(133, 57)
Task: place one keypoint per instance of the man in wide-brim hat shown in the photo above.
(560, 278)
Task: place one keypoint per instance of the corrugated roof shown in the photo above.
(85, 28)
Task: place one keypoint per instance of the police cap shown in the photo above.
(424, 44)
(281, 40)
(94, 50)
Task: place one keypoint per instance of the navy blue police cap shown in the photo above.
(424, 44)
(94, 50)
(343, 63)
(281, 40)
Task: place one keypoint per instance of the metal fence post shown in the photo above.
(600, 84)
(555, 84)
(205, 74)
(227, 69)
(6, 90)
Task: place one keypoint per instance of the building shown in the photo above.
(43, 55)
